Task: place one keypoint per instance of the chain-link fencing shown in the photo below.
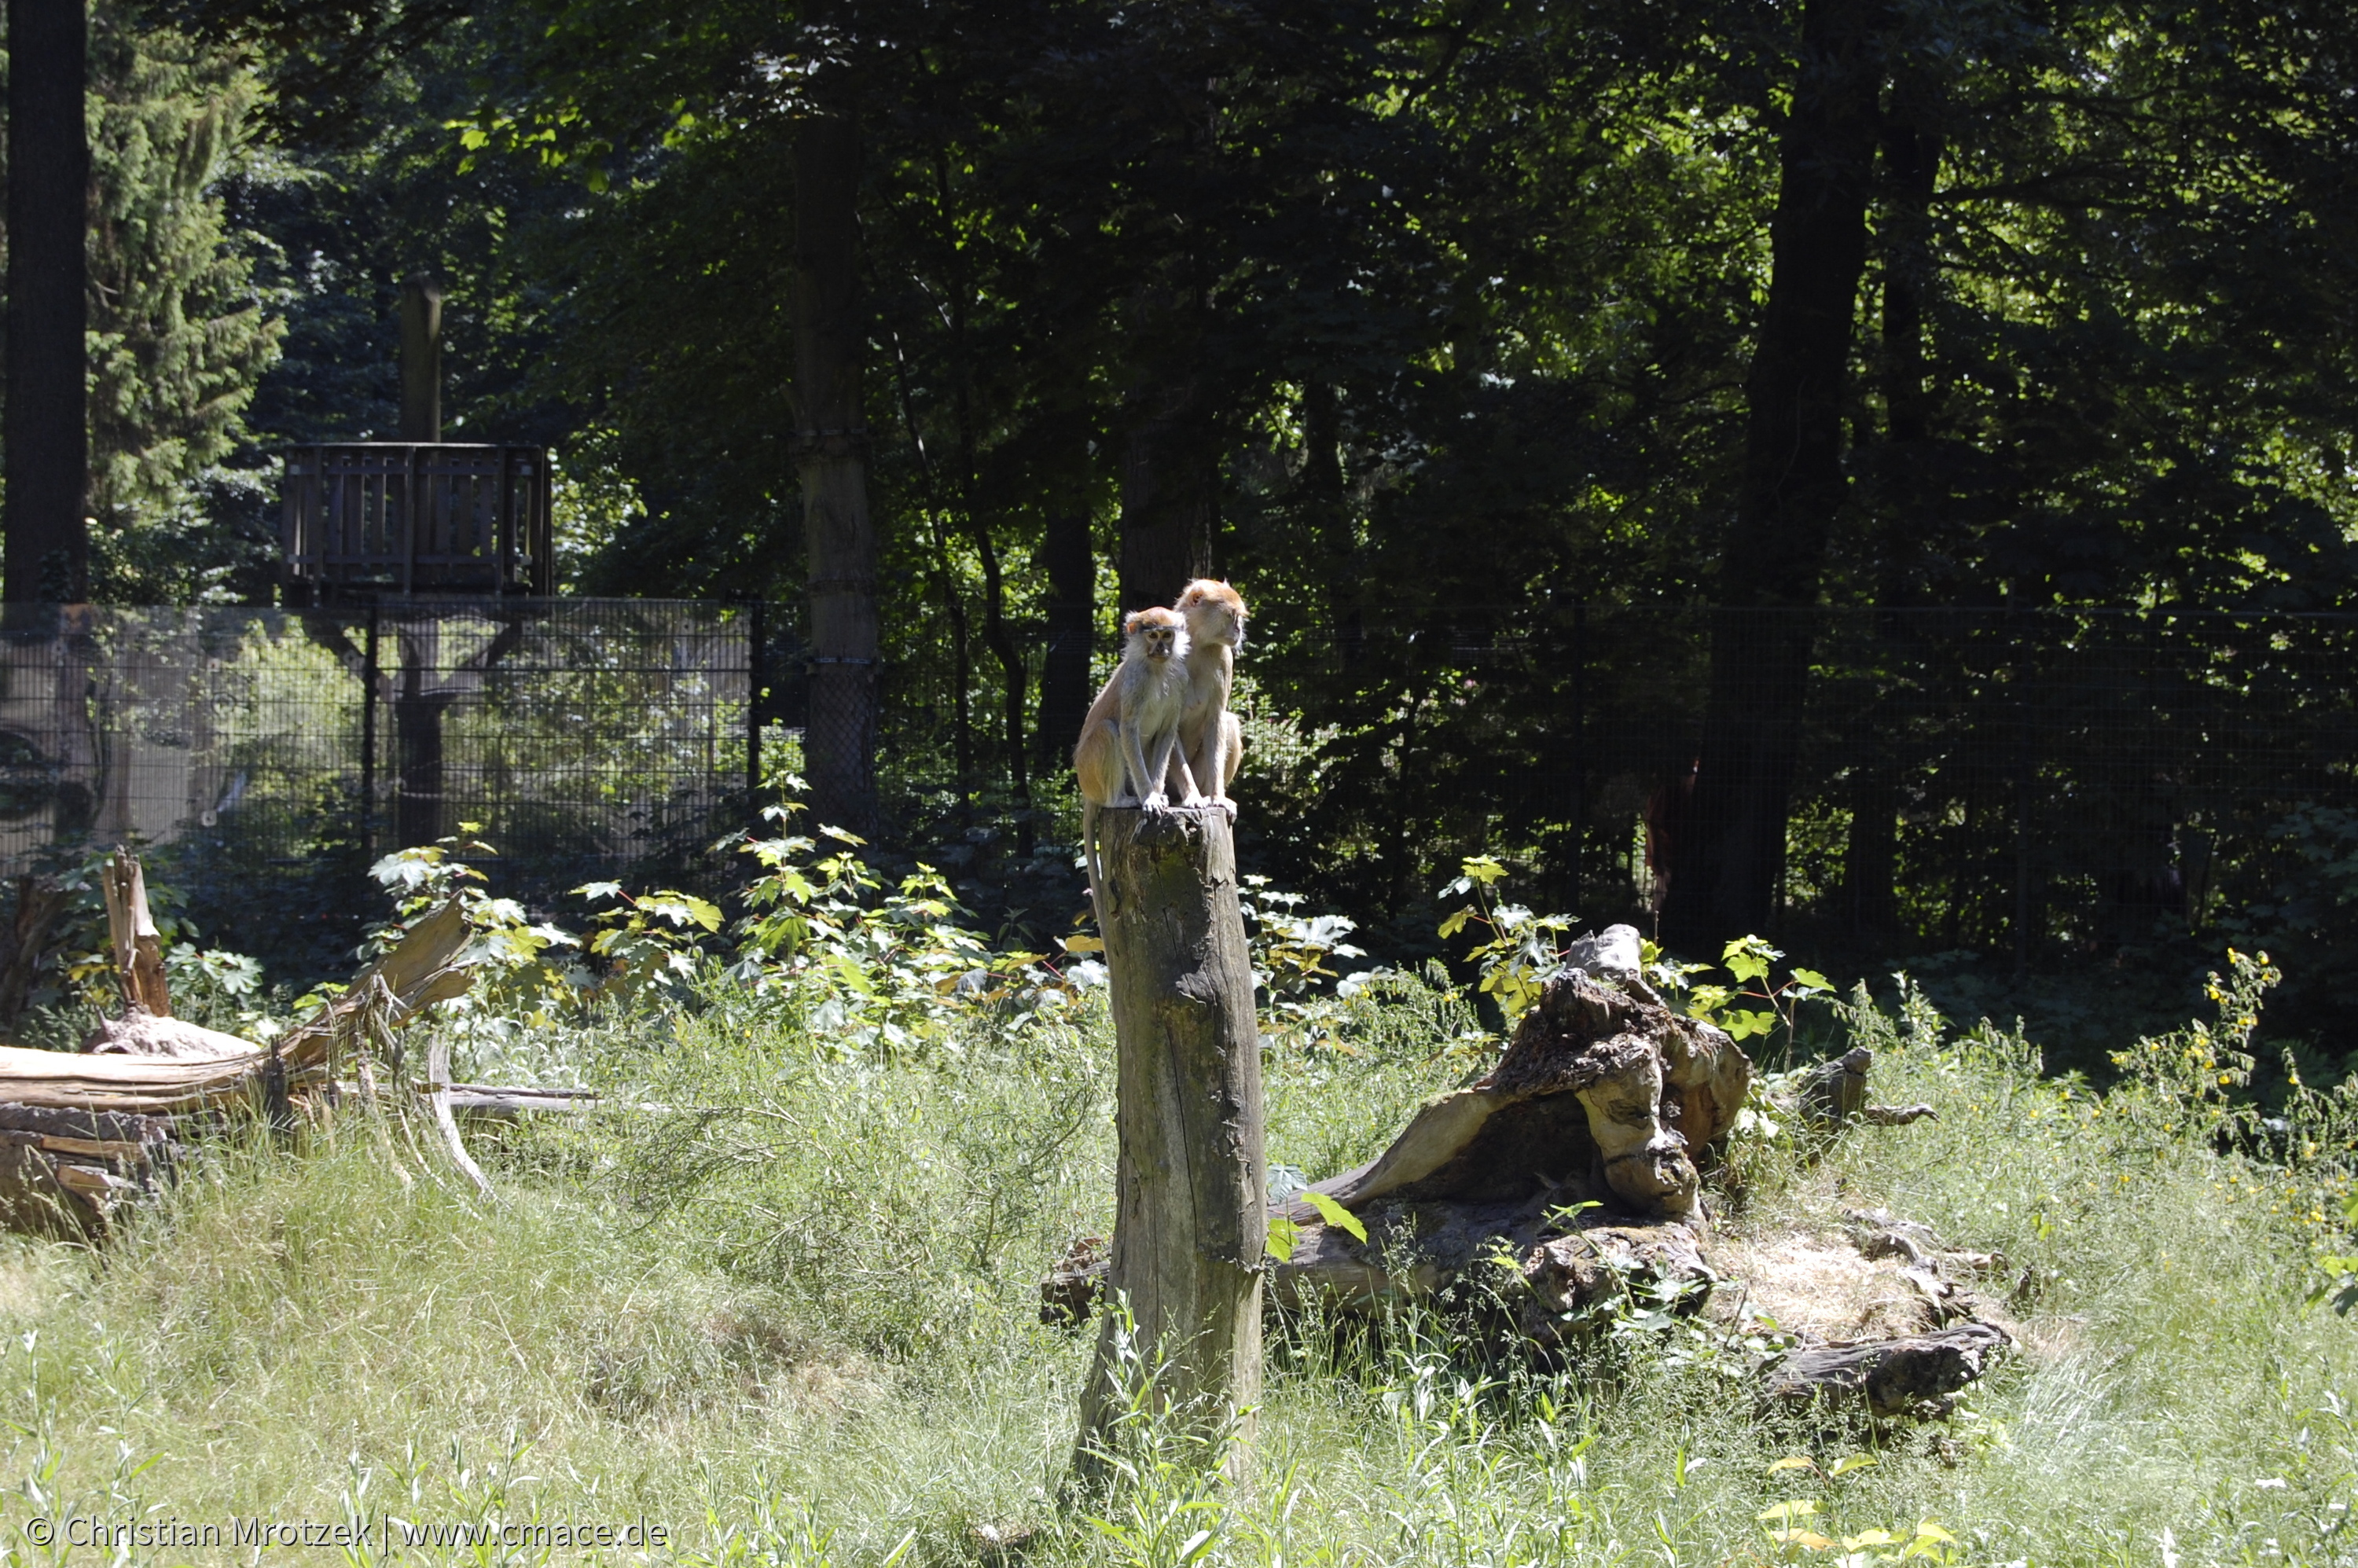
(2032, 785)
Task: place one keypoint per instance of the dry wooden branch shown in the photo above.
(421, 970)
(138, 950)
(438, 1087)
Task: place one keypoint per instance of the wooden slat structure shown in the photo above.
(439, 518)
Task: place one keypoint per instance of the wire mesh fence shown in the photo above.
(2039, 785)
(265, 749)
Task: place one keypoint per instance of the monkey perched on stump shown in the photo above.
(1129, 742)
(1211, 742)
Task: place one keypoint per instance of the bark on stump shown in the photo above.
(1191, 1222)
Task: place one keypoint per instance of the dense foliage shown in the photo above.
(1444, 326)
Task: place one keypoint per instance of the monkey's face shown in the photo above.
(1159, 634)
(1217, 624)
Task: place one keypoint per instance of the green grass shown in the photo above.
(790, 1316)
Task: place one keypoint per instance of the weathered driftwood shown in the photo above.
(1915, 1376)
(115, 1082)
(1573, 1162)
(50, 1157)
(138, 1033)
(1833, 1093)
(1576, 1156)
(437, 1090)
(421, 970)
(492, 1100)
(1191, 1221)
(1602, 1089)
(131, 927)
(147, 1027)
(81, 1132)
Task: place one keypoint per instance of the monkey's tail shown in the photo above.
(1098, 903)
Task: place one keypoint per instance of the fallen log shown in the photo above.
(1917, 1376)
(80, 1133)
(123, 1083)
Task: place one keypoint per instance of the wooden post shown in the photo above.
(1189, 1232)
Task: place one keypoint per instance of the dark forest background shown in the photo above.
(1517, 359)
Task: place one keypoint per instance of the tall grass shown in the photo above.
(783, 1305)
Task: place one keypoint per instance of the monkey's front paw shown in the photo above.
(1155, 805)
(1228, 806)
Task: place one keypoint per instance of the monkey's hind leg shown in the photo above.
(1170, 768)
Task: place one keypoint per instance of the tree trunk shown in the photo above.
(421, 358)
(1871, 856)
(1166, 500)
(46, 431)
(1911, 161)
(1330, 518)
(1071, 570)
(1014, 690)
(1911, 157)
(1725, 880)
(831, 455)
(418, 745)
(1188, 1237)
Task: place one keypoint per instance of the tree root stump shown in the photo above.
(1563, 1188)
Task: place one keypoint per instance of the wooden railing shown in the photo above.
(374, 517)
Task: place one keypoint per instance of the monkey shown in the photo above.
(1129, 742)
(1211, 742)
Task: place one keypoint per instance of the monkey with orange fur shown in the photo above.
(1211, 742)
(1129, 742)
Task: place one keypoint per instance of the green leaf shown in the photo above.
(1484, 868)
(1741, 1025)
(1283, 1236)
(1457, 922)
(1335, 1215)
(1748, 957)
(1703, 1001)
(1814, 980)
(1854, 1462)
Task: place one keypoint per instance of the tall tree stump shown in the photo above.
(1189, 1232)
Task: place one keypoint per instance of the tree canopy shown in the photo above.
(1437, 325)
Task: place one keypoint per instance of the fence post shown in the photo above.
(369, 668)
(756, 672)
(2023, 766)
